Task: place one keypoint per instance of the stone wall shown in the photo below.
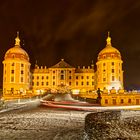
(111, 125)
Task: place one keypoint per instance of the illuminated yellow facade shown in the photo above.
(109, 68)
(82, 79)
(16, 71)
(115, 98)
(20, 82)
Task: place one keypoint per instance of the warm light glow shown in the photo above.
(116, 85)
(64, 78)
(75, 91)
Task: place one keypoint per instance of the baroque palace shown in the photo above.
(19, 81)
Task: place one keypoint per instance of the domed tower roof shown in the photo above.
(109, 51)
(17, 52)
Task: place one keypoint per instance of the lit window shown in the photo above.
(106, 101)
(112, 55)
(53, 83)
(62, 71)
(22, 72)
(22, 65)
(12, 71)
(112, 70)
(21, 79)
(12, 79)
(114, 101)
(119, 71)
(62, 77)
(129, 101)
(113, 78)
(119, 78)
(122, 101)
(13, 56)
(137, 101)
(104, 79)
(47, 83)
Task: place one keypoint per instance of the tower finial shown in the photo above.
(18, 34)
(108, 40)
(92, 65)
(108, 34)
(17, 40)
(36, 66)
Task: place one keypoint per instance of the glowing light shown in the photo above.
(39, 91)
(116, 85)
(75, 91)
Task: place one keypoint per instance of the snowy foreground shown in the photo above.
(40, 123)
(32, 122)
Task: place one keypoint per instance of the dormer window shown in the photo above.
(112, 55)
(13, 56)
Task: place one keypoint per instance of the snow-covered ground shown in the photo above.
(32, 122)
(40, 123)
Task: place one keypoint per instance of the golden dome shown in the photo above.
(109, 51)
(17, 52)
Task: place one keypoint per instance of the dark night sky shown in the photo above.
(75, 30)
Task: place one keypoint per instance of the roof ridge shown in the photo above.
(62, 64)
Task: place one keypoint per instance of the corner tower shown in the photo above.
(109, 67)
(16, 71)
